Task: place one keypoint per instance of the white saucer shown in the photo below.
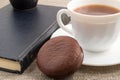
(108, 58)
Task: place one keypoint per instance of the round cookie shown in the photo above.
(60, 57)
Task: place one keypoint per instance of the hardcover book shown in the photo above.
(22, 33)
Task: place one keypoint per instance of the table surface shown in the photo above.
(84, 73)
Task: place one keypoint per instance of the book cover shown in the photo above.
(22, 33)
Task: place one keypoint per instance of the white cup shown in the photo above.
(93, 32)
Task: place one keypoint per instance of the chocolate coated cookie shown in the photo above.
(60, 57)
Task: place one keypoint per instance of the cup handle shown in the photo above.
(60, 22)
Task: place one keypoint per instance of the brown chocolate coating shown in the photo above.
(60, 57)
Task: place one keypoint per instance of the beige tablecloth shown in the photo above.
(84, 73)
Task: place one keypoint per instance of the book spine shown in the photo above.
(26, 60)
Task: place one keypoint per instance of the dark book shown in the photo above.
(22, 33)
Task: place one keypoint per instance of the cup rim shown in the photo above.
(87, 15)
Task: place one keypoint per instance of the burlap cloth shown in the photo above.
(84, 73)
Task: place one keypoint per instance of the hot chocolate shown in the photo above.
(96, 9)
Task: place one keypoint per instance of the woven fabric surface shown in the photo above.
(84, 73)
